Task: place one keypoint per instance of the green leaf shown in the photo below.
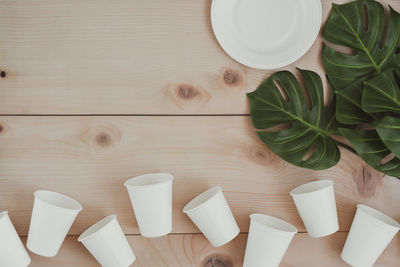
(367, 87)
(310, 129)
(345, 27)
(372, 150)
(348, 105)
(382, 93)
(389, 131)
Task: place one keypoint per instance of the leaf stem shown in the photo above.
(349, 148)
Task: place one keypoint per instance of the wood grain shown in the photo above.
(89, 158)
(123, 57)
(194, 250)
(152, 57)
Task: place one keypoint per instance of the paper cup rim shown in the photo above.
(97, 227)
(148, 180)
(66, 203)
(311, 187)
(199, 202)
(379, 217)
(270, 223)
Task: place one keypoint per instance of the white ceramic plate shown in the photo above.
(266, 34)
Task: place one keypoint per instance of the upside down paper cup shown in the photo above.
(316, 205)
(107, 243)
(52, 216)
(210, 212)
(12, 251)
(151, 197)
(268, 241)
(370, 233)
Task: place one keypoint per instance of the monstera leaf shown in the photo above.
(372, 150)
(348, 105)
(360, 26)
(365, 84)
(382, 93)
(310, 128)
(389, 132)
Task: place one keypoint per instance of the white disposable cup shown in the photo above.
(316, 205)
(268, 241)
(210, 212)
(107, 243)
(52, 217)
(12, 251)
(370, 233)
(151, 197)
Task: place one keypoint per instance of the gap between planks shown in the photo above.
(124, 115)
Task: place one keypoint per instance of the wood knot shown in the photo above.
(260, 155)
(186, 96)
(217, 261)
(4, 130)
(232, 78)
(3, 74)
(103, 139)
(187, 91)
(367, 180)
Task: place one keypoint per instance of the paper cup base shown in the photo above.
(40, 252)
(156, 234)
(326, 232)
(227, 240)
(349, 261)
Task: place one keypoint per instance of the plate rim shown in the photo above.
(287, 62)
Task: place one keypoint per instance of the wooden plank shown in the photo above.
(123, 57)
(194, 250)
(89, 158)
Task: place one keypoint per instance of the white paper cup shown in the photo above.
(151, 197)
(210, 212)
(107, 243)
(12, 251)
(268, 241)
(370, 233)
(52, 217)
(316, 205)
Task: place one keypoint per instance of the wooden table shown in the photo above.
(98, 91)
